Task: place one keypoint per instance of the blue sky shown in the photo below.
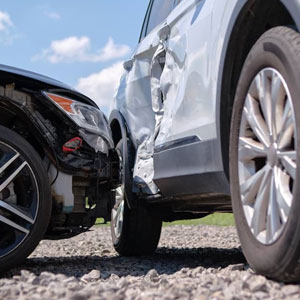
(81, 43)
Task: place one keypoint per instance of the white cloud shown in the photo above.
(72, 48)
(78, 49)
(5, 21)
(7, 29)
(102, 86)
(52, 15)
(112, 51)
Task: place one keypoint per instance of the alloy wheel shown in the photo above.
(117, 214)
(267, 155)
(19, 199)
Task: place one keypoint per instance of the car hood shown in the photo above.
(54, 86)
(35, 76)
(45, 82)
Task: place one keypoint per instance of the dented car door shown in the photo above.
(139, 96)
(188, 85)
(186, 72)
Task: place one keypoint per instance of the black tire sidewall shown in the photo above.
(117, 242)
(141, 230)
(44, 210)
(271, 51)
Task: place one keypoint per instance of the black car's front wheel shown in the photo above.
(134, 231)
(25, 199)
(264, 155)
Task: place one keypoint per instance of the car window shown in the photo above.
(144, 28)
(160, 10)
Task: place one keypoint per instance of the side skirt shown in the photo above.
(190, 167)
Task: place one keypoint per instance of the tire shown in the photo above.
(25, 199)
(138, 232)
(264, 143)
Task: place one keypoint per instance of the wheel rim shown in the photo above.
(267, 155)
(117, 214)
(19, 199)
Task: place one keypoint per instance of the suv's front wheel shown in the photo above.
(264, 155)
(134, 231)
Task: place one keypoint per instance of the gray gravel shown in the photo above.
(192, 262)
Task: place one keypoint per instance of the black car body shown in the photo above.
(76, 150)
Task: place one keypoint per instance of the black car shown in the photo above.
(57, 163)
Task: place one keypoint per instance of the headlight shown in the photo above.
(85, 116)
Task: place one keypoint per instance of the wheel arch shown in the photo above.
(249, 20)
(118, 126)
(119, 131)
(25, 126)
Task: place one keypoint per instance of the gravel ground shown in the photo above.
(192, 262)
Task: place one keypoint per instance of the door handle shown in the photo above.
(164, 32)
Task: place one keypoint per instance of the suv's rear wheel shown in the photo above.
(264, 155)
(25, 199)
(134, 231)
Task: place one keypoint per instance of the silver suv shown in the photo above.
(205, 120)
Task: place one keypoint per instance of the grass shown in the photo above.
(214, 219)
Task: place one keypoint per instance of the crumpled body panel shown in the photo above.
(169, 93)
(187, 79)
(141, 122)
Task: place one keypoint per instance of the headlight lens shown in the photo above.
(85, 116)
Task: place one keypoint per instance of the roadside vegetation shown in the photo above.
(217, 219)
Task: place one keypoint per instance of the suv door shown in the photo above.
(186, 146)
(188, 107)
(135, 96)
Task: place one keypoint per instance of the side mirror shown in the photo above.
(164, 32)
(128, 64)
